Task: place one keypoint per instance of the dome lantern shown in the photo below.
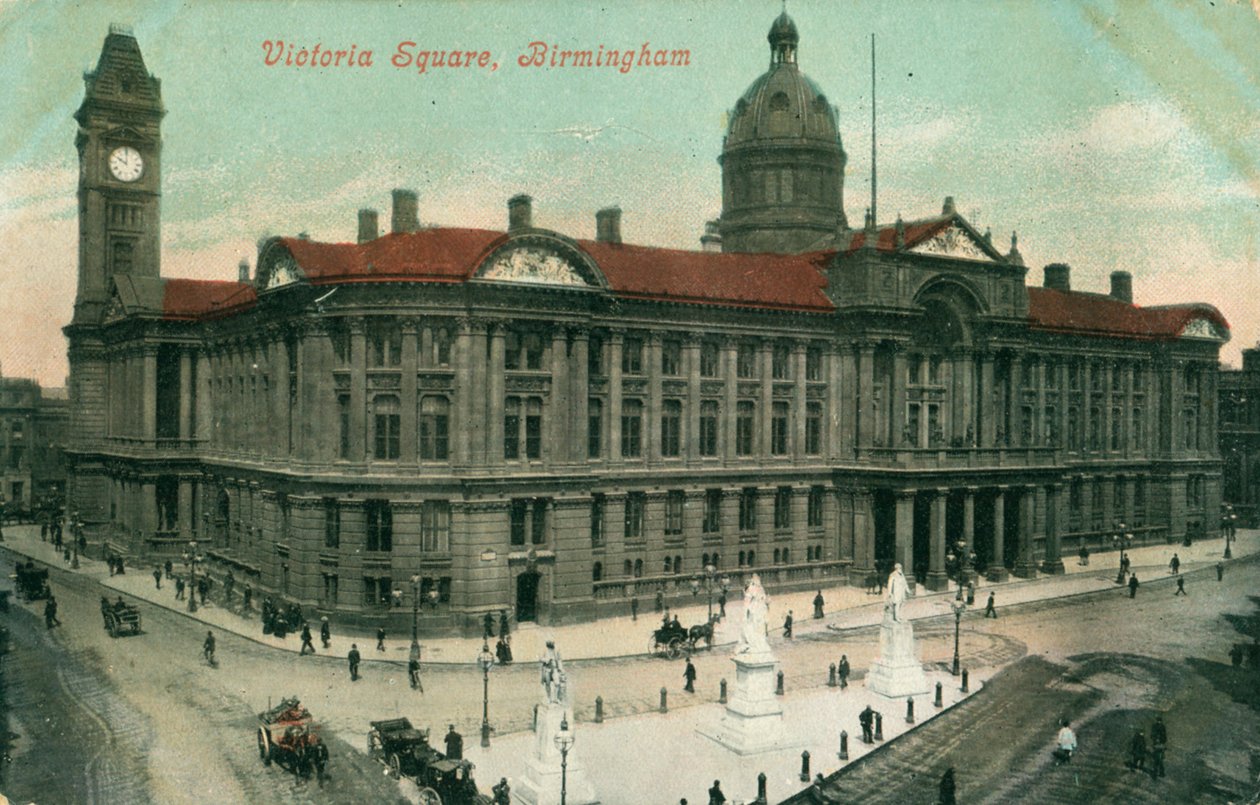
(783, 39)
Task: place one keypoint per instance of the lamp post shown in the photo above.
(486, 660)
(415, 617)
(959, 606)
(1122, 540)
(564, 742)
(1230, 520)
(192, 560)
(76, 534)
(963, 566)
(711, 581)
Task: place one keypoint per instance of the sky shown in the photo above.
(1110, 135)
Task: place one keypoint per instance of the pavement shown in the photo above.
(845, 607)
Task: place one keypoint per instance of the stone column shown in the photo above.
(1087, 401)
(937, 578)
(494, 397)
(409, 415)
(865, 402)
(559, 424)
(616, 340)
(149, 430)
(897, 410)
(798, 400)
(969, 518)
(653, 408)
(903, 552)
(579, 394)
(840, 382)
(1053, 562)
(471, 428)
(1015, 402)
(186, 525)
(186, 425)
(765, 406)
(730, 387)
(986, 400)
(358, 390)
(1025, 565)
(205, 400)
(691, 431)
(997, 566)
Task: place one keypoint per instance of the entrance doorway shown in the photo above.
(527, 596)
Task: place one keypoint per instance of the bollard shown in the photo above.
(664, 705)
(938, 695)
(805, 766)
(844, 745)
(779, 688)
(964, 681)
(534, 725)
(761, 789)
(909, 711)
(722, 693)
(599, 709)
(831, 676)
(879, 726)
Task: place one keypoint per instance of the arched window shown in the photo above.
(752, 558)
(742, 558)
(597, 571)
(704, 559)
(627, 568)
(638, 568)
(717, 561)
(776, 556)
(668, 565)
(677, 564)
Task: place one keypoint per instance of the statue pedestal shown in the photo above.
(897, 673)
(753, 719)
(541, 784)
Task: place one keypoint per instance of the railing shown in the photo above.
(961, 457)
(668, 584)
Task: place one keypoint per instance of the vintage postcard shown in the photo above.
(645, 402)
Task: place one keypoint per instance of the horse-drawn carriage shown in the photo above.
(31, 582)
(406, 752)
(120, 617)
(286, 737)
(671, 639)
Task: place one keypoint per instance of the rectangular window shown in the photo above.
(1095, 429)
(1027, 426)
(674, 512)
(1052, 425)
(934, 370)
(779, 429)
(517, 520)
(533, 348)
(1139, 430)
(708, 428)
(343, 424)
(671, 428)
(435, 526)
(911, 436)
(708, 359)
(914, 370)
(632, 356)
(781, 362)
(813, 364)
(783, 508)
(1117, 427)
(635, 503)
(597, 519)
(1095, 377)
(386, 421)
(595, 356)
(380, 525)
(1139, 377)
(594, 428)
(1074, 429)
(671, 358)
(512, 428)
(332, 523)
(442, 347)
(434, 429)
(329, 598)
(631, 429)
(538, 521)
(512, 351)
(746, 361)
(744, 413)
(339, 336)
(748, 509)
(377, 590)
(1074, 377)
(384, 339)
(533, 428)
(815, 508)
(712, 511)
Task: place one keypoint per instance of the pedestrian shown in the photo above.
(818, 606)
(990, 611)
(325, 634)
(354, 659)
(1174, 565)
(507, 649)
(207, 648)
(380, 638)
(502, 792)
(1236, 655)
(722, 604)
(948, 788)
(65, 555)
(1083, 553)
(247, 599)
(842, 670)
(1133, 585)
(660, 600)
(787, 625)
(1137, 751)
(168, 567)
(1220, 571)
(306, 640)
(319, 756)
(716, 797)
(488, 626)
(971, 594)
(229, 584)
(179, 588)
(43, 532)
(689, 674)
(867, 719)
(157, 577)
(1181, 585)
(203, 587)
(1065, 744)
(454, 745)
(109, 560)
(413, 673)
(634, 609)
(503, 623)
(50, 613)
(1159, 745)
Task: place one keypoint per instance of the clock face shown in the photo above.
(126, 164)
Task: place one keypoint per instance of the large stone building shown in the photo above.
(474, 420)
(33, 427)
(1240, 437)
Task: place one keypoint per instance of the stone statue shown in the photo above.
(896, 592)
(551, 673)
(752, 637)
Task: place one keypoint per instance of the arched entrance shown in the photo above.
(527, 596)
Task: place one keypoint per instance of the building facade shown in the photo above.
(1240, 438)
(468, 420)
(33, 425)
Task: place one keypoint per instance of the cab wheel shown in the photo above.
(264, 747)
(395, 766)
(430, 797)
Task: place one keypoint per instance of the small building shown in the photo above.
(1240, 439)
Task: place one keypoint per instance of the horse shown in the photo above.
(703, 631)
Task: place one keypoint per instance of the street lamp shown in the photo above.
(415, 615)
(564, 742)
(963, 566)
(76, 534)
(711, 581)
(1230, 520)
(192, 560)
(1122, 540)
(486, 660)
(959, 606)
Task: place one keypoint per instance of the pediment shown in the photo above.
(957, 241)
(536, 264)
(1204, 329)
(278, 268)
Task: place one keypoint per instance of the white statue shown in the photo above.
(551, 673)
(897, 590)
(752, 637)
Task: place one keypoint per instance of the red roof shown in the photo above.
(915, 232)
(431, 255)
(191, 299)
(1096, 314)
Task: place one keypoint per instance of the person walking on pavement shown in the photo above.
(818, 606)
(1220, 571)
(634, 609)
(306, 640)
(787, 625)
(1065, 744)
(380, 638)
(1159, 745)
(50, 613)
(354, 660)
(1137, 751)
(319, 756)
(488, 626)
(503, 623)
(842, 670)
(325, 634)
(722, 604)
(990, 611)
(716, 797)
(179, 588)
(502, 792)
(1133, 585)
(207, 648)
(413, 673)
(454, 745)
(689, 674)
(157, 577)
(168, 567)
(867, 719)
(948, 789)
(1181, 585)
(1174, 565)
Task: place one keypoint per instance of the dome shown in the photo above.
(783, 33)
(783, 102)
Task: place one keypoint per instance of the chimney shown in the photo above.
(520, 212)
(1058, 277)
(711, 240)
(948, 207)
(406, 212)
(242, 271)
(369, 225)
(1122, 286)
(608, 225)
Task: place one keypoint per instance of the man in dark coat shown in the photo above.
(380, 638)
(454, 745)
(503, 623)
(722, 604)
(306, 640)
(634, 609)
(168, 567)
(247, 600)
(502, 792)
(818, 605)
(319, 756)
(689, 674)
(1174, 565)
(325, 634)
(1181, 585)
(787, 625)
(948, 788)
(1159, 744)
(990, 611)
(716, 797)
(1133, 585)
(354, 659)
(488, 621)
(842, 670)
(867, 719)
(50, 613)
(1137, 751)
(413, 673)
(157, 577)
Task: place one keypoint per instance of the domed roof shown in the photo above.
(782, 103)
(783, 32)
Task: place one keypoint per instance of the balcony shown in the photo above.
(919, 458)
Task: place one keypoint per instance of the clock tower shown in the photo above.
(119, 143)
